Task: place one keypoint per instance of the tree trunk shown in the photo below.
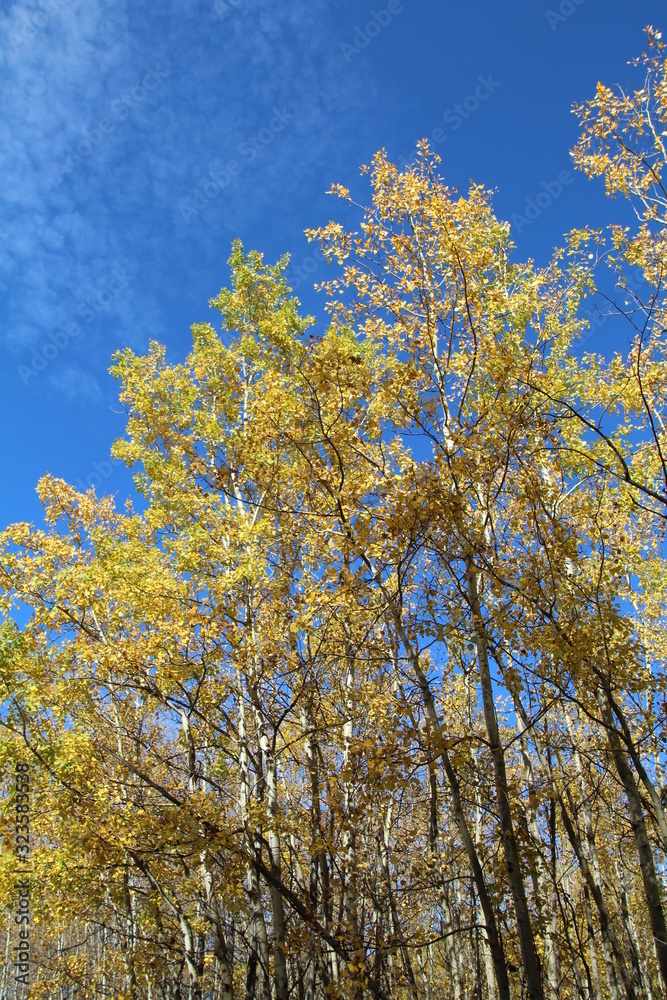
(531, 963)
(308, 727)
(440, 748)
(545, 889)
(642, 842)
(258, 958)
(449, 942)
(595, 974)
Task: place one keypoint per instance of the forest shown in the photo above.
(363, 693)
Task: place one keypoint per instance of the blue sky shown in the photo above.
(138, 140)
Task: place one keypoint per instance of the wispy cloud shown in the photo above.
(75, 384)
(107, 125)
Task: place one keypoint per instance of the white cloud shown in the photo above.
(69, 218)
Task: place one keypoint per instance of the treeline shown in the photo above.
(366, 696)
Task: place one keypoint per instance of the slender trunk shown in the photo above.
(220, 949)
(385, 836)
(277, 906)
(128, 936)
(330, 968)
(441, 750)
(211, 908)
(492, 935)
(349, 806)
(449, 943)
(268, 749)
(583, 993)
(545, 887)
(609, 940)
(658, 811)
(491, 983)
(593, 880)
(641, 979)
(591, 850)
(554, 972)
(257, 976)
(189, 946)
(308, 727)
(642, 842)
(595, 975)
(531, 963)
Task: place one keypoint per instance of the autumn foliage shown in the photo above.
(365, 695)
